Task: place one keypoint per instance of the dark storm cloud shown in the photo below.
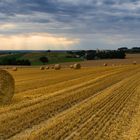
(73, 17)
(75, 11)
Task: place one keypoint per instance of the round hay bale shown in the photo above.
(57, 67)
(47, 67)
(42, 68)
(77, 66)
(134, 62)
(14, 68)
(7, 87)
(105, 64)
(71, 66)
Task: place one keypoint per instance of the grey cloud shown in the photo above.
(72, 17)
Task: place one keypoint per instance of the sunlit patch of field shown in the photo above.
(90, 103)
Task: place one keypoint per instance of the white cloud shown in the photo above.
(35, 41)
(7, 26)
(128, 6)
(75, 2)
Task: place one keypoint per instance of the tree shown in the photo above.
(70, 52)
(90, 54)
(123, 49)
(23, 62)
(80, 53)
(44, 59)
(13, 61)
(48, 51)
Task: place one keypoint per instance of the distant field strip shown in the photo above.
(91, 103)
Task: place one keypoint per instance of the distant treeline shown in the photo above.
(45, 57)
(98, 54)
(132, 50)
(14, 61)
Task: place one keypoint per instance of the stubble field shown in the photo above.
(93, 103)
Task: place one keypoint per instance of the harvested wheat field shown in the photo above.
(93, 103)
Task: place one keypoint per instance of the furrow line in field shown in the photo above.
(41, 74)
(19, 120)
(103, 113)
(30, 130)
(60, 126)
(26, 86)
(61, 81)
(60, 92)
(108, 117)
(98, 109)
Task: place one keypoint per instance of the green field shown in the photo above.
(54, 57)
